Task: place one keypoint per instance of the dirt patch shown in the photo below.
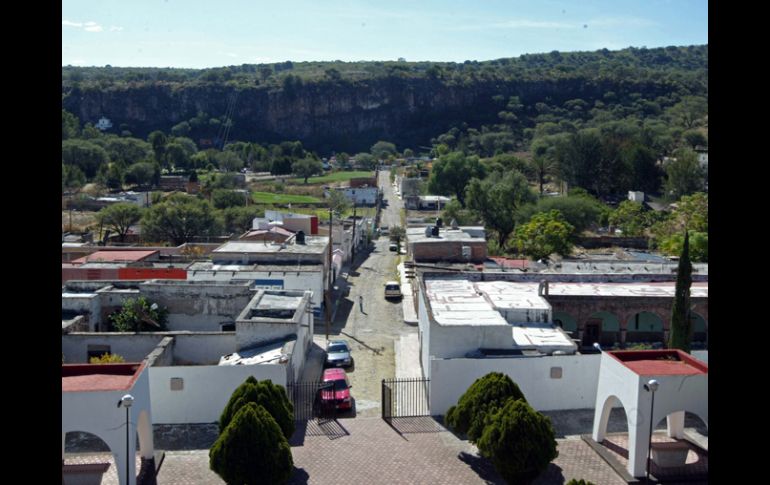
(80, 221)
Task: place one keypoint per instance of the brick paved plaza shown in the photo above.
(368, 450)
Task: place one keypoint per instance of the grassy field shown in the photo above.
(334, 177)
(273, 198)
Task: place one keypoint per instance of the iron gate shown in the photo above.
(405, 398)
(306, 398)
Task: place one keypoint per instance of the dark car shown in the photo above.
(338, 354)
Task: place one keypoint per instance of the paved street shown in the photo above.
(372, 328)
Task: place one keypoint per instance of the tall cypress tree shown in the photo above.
(681, 326)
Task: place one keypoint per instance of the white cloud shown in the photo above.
(115, 28)
(90, 26)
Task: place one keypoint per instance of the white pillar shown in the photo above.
(638, 442)
(675, 425)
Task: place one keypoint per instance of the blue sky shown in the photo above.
(210, 33)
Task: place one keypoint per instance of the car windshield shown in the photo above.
(336, 348)
(340, 385)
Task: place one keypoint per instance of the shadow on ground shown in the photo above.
(483, 468)
(331, 428)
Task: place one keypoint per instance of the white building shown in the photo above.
(358, 195)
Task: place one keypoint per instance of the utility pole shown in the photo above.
(331, 283)
(353, 250)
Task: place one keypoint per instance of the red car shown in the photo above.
(339, 393)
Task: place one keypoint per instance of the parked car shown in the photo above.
(338, 394)
(392, 290)
(338, 354)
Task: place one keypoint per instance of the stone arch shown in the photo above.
(79, 441)
(645, 326)
(567, 322)
(700, 328)
(611, 402)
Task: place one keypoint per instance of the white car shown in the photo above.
(393, 290)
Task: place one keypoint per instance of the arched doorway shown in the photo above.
(602, 327)
(644, 327)
(566, 322)
(87, 458)
(699, 331)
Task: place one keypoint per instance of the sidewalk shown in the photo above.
(407, 302)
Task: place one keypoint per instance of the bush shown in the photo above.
(268, 395)
(579, 482)
(484, 396)
(252, 449)
(519, 441)
(107, 359)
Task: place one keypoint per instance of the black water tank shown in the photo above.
(435, 231)
(301, 237)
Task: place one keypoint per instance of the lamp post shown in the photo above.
(651, 387)
(126, 401)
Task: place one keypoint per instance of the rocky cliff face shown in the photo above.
(344, 117)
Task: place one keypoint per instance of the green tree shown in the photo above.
(483, 397)
(85, 155)
(307, 167)
(138, 315)
(519, 441)
(691, 212)
(158, 141)
(240, 219)
(70, 125)
(223, 198)
(141, 174)
(546, 233)
(252, 449)
(496, 201)
(383, 149)
(630, 217)
(72, 177)
(126, 151)
(451, 174)
(119, 218)
(453, 210)
(543, 168)
(179, 219)
(113, 177)
(272, 396)
(229, 161)
(579, 482)
(699, 246)
(688, 111)
(582, 211)
(338, 202)
(681, 324)
(365, 161)
(397, 234)
(684, 175)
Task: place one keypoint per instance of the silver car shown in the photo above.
(338, 354)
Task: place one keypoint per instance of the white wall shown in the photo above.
(576, 389)
(206, 390)
(203, 348)
(292, 280)
(132, 347)
(452, 341)
(701, 355)
(85, 303)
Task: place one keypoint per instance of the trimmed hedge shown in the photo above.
(482, 398)
(519, 441)
(271, 396)
(252, 449)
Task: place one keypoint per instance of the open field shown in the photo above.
(333, 177)
(274, 198)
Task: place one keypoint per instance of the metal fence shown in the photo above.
(405, 398)
(306, 398)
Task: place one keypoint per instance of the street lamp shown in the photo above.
(651, 387)
(126, 401)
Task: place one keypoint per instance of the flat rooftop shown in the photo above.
(313, 245)
(115, 257)
(293, 267)
(99, 377)
(272, 353)
(445, 234)
(660, 362)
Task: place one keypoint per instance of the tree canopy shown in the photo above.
(119, 218)
(179, 219)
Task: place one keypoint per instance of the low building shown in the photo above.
(360, 196)
(445, 244)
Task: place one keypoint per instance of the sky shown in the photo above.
(213, 33)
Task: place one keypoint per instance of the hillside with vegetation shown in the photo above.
(348, 106)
